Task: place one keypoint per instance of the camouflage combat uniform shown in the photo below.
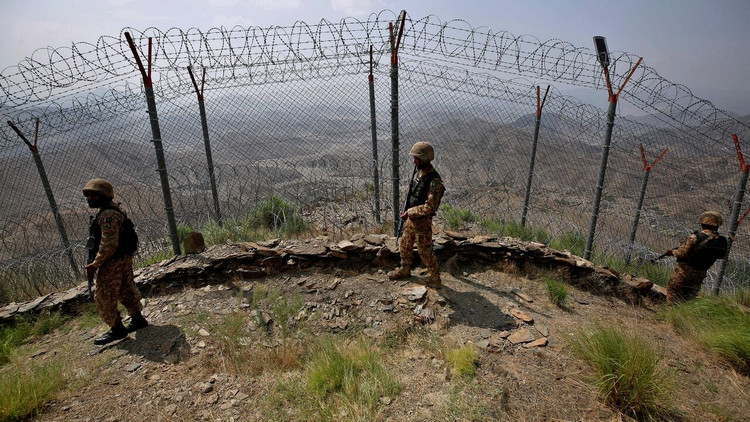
(418, 227)
(687, 277)
(114, 277)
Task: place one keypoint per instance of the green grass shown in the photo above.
(557, 291)
(22, 284)
(573, 242)
(279, 215)
(339, 381)
(232, 338)
(14, 336)
(658, 273)
(144, 261)
(719, 324)
(283, 308)
(742, 296)
(464, 403)
(25, 389)
(271, 217)
(463, 360)
(350, 376)
(626, 371)
(516, 230)
(454, 218)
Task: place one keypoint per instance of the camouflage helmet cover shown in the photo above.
(423, 151)
(100, 186)
(711, 218)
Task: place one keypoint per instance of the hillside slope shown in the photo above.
(245, 350)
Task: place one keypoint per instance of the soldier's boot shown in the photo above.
(115, 333)
(403, 271)
(137, 321)
(431, 280)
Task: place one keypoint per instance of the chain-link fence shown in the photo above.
(288, 114)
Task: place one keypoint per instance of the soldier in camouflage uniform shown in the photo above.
(426, 192)
(695, 256)
(113, 268)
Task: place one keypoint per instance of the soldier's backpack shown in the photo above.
(127, 243)
(706, 251)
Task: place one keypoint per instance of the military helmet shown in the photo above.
(423, 151)
(100, 186)
(711, 218)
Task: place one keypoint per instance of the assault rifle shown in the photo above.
(406, 203)
(661, 256)
(90, 245)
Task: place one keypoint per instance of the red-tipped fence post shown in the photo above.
(646, 172)
(605, 151)
(395, 41)
(206, 141)
(735, 221)
(48, 191)
(156, 132)
(529, 178)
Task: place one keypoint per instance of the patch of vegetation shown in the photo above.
(143, 261)
(627, 372)
(557, 291)
(232, 338)
(277, 214)
(454, 218)
(22, 284)
(282, 310)
(512, 229)
(574, 242)
(658, 273)
(27, 388)
(742, 296)
(463, 360)
(719, 324)
(351, 378)
(14, 336)
(463, 404)
(397, 337)
(339, 381)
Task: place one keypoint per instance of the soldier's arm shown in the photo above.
(686, 247)
(109, 221)
(434, 195)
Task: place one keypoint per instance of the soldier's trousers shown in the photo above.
(114, 282)
(419, 231)
(684, 283)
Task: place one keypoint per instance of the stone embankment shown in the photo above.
(248, 260)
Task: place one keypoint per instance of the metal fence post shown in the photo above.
(394, 119)
(647, 172)
(156, 132)
(50, 196)
(735, 221)
(605, 154)
(374, 130)
(206, 142)
(530, 177)
(600, 180)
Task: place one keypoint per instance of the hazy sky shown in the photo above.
(699, 43)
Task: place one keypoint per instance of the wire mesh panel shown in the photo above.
(288, 114)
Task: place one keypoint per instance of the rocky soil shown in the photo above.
(180, 369)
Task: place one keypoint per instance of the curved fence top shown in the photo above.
(64, 75)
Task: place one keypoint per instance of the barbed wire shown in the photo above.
(288, 114)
